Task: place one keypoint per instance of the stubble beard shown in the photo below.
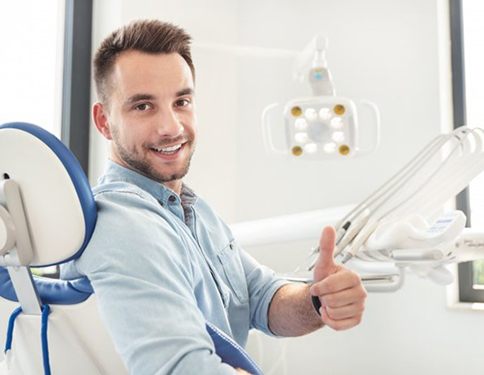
(142, 166)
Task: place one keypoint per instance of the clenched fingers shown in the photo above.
(342, 298)
(345, 312)
(342, 324)
(354, 295)
(341, 280)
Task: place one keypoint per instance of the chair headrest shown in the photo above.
(58, 201)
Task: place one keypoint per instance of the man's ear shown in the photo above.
(100, 118)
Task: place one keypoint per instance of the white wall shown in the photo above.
(393, 52)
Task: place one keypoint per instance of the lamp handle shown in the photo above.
(267, 131)
(376, 124)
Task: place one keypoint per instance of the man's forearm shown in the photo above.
(291, 312)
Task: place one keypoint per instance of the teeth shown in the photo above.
(170, 149)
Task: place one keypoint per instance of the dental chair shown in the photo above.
(47, 216)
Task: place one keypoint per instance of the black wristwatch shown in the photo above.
(316, 303)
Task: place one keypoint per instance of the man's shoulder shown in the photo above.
(123, 205)
(121, 189)
(121, 196)
(132, 226)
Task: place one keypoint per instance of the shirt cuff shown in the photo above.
(264, 320)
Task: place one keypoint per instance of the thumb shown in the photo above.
(325, 265)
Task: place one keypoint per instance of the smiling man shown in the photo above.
(161, 262)
(146, 137)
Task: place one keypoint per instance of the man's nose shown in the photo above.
(169, 124)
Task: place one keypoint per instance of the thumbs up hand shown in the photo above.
(339, 290)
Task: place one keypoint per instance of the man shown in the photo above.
(160, 260)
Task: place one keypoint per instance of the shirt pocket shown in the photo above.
(234, 272)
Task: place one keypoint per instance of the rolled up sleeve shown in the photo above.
(262, 284)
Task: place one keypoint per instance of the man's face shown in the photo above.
(150, 116)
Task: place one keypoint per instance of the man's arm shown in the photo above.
(291, 312)
(339, 290)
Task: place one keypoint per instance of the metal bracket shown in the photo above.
(11, 199)
(384, 283)
(27, 295)
(18, 254)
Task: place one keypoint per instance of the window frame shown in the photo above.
(467, 292)
(76, 85)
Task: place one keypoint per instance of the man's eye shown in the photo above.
(183, 102)
(143, 107)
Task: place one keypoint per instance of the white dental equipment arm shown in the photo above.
(410, 193)
(400, 226)
(393, 228)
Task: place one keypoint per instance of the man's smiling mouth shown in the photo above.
(169, 150)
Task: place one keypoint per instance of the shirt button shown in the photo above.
(172, 199)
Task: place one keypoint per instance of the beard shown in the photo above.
(136, 162)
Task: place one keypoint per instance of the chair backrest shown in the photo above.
(60, 212)
(47, 216)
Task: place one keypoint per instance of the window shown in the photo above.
(31, 62)
(467, 32)
(45, 68)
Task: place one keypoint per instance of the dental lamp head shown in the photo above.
(322, 126)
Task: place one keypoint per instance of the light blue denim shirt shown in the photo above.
(161, 265)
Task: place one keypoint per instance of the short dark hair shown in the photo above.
(151, 36)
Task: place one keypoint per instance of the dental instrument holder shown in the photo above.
(324, 126)
(412, 243)
(16, 251)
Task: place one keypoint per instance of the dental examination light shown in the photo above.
(402, 225)
(323, 126)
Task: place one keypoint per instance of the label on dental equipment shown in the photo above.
(415, 233)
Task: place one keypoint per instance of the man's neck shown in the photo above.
(175, 185)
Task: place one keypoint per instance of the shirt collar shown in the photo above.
(115, 172)
(188, 197)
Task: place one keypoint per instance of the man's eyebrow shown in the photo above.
(139, 97)
(186, 91)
